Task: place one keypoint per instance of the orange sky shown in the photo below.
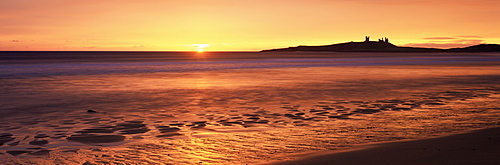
(242, 25)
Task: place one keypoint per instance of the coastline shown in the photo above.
(240, 111)
(475, 147)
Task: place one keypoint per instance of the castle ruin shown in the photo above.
(381, 40)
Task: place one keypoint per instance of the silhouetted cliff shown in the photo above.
(383, 46)
(478, 48)
(367, 46)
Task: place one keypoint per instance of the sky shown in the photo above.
(241, 25)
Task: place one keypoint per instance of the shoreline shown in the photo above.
(474, 147)
(221, 114)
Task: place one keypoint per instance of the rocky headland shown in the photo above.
(382, 45)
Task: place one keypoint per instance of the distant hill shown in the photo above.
(478, 48)
(382, 46)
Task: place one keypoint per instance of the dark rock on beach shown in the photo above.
(435, 103)
(169, 135)
(135, 131)
(97, 130)
(90, 138)
(88, 163)
(41, 136)
(132, 127)
(129, 125)
(39, 142)
(367, 111)
(91, 111)
(167, 129)
(14, 143)
(401, 109)
(40, 153)
(5, 137)
(17, 152)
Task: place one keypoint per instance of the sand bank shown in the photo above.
(477, 147)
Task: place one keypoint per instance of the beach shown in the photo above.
(476, 147)
(249, 108)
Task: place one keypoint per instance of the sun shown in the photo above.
(199, 47)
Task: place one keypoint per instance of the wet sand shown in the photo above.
(476, 147)
(239, 116)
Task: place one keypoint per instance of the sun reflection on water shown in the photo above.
(249, 116)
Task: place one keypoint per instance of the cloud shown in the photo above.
(15, 41)
(139, 46)
(397, 2)
(439, 38)
(466, 36)
(200, 45)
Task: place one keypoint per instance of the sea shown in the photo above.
(59, 107)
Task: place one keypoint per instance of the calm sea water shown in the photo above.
(232, 107)
(15, 64)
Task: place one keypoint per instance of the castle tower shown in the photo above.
(367, 38)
